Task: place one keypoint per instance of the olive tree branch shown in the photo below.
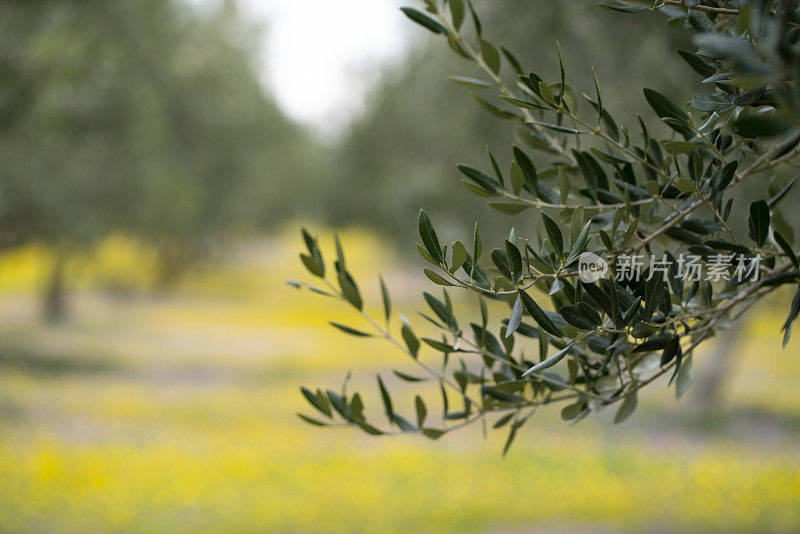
(698, 7)
(385, 334)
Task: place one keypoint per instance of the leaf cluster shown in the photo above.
(662, 188)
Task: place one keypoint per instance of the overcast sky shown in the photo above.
(318, 54)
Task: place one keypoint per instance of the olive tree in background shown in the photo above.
(659, 186)
(141, 117)
(417, 122)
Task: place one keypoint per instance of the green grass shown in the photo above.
(176, 414)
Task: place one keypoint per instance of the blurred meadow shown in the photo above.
(176, 414)
(151, 352)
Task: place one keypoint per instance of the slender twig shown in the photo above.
(698, 7)
(706, 331)
(757, 166)
(539, 376)
(721, 219)
(595, 130)
(389, 337)
(587, 207)
(502, 87)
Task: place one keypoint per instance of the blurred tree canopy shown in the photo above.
(139, 116)
(417, 124)
(146, 117)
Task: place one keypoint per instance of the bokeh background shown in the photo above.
(157, 158)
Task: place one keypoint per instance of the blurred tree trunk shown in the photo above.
(174, 258)
(55, 310)
(170, 269)
(710, 386)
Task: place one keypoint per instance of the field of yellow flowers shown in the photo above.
(176, 413)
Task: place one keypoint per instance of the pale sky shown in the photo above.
(319, 56)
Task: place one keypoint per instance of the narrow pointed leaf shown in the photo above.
(759, 221)
(348, 330)
(436, 279)
(387, 301)
(412, 343)
(626, 409)
(549, 362)
(317, 400)
(429, 239)
(423, 20)
(554, 234)
(311, 420)
(538, 315)
(387, 400)
(516, 317)
(422, 412)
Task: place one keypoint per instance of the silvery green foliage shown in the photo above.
(662, 189)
